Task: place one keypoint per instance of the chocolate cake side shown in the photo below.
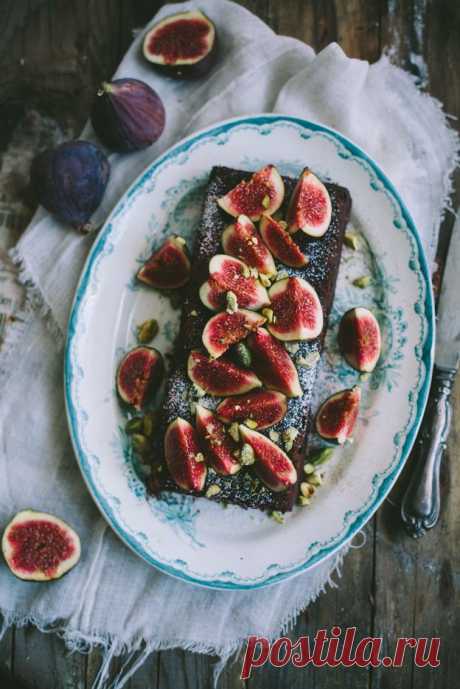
(245, 488)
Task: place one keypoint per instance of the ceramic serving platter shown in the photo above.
(195, 539)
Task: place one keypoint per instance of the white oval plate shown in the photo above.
(195, 539)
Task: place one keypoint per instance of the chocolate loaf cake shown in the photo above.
(245, 488)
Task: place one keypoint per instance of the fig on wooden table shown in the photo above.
(263, 193)
(225, 329)
(219, 377)
(336, 417)
(139, 375)
(280, 242)
(39, 547)
(360, 339)
(228, 274)
(297, 310)
(272, 363)
(310, 207)
(167, 268)
(183, 456)
(242, 241)
(272, 464)
(183, 45)
(70, 181)
(127, 115)
(263, 407)
(218, 446)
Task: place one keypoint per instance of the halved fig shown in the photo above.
(183, 45)
(280, 243)
(229, 274)
(219, 377)
(297, 310)
(360, 339)
(264, 407)
(167, 268)
(139, 375)
(310, 206)
(226, 329)
(272, 465)
(273, 364)
(336, 418)
(39, 547)
(183, 456)
(219, 448)
(242, 241)
(263, 193)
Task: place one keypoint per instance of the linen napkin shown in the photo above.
(112, 598)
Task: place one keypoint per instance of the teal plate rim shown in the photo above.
(427, 357)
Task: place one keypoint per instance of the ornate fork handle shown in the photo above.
(421, 503)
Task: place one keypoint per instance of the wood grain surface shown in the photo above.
(53, 54)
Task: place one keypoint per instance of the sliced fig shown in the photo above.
(39, 547)
(219, 377)
(360, 339)
(183, 456)
(310, 206)
(219, 448)
(183, 45)
(264, 407)
(263, 193)
(229, 274)
(139, 375)
(167, 268)
(336, 418)
(280, 243)
(272, 465)
(242, 241)
(273, 364)
(297, 310)
(226, 329)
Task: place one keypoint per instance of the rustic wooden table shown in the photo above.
(53, 54)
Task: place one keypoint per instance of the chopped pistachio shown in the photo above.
(351, 240)
(274, 435)
(250, 423)
(309, 468)
(308, 361)
(265, 280)
(268, 314)
(149, 423)
(147, 330)
(289, 435)
(181, 240)
(277, 516)
(199, 457)
(246, 271)
(292, 347)
(363, 281)
(282, 275)
(307, 489)
(303, 501)
(232, 302)
(134, 425)
(315, 479)
(213, 490)
(140, 442)
(234, 431)
(283, 224)
(243, 354)
(320, 456)
(194, 312)
(254, 272)
(266, 201)
(247, 455)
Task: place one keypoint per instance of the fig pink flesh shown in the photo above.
(360, 339)
(310, 206)
(336, 418)
(219, 377)
(139, 372)
(181, 449)
(273, 364)
(225, 329)
(218, 446)
(280, 243)
(242, 241)
(39, 545)
(272, 465)
(180, 39)
(265, 407)
(297, 309)
(227, 275)
(167, 268)
(263, 192)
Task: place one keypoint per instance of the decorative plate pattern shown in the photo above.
(195, 539)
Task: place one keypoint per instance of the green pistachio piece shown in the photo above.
(134, 425)
(363, 281)
(147, 330)
(351, 240)
(140, 443)
(277, 516)
(243, 354)
(321, 456)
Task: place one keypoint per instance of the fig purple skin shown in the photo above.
(70, 181)
(128, 115)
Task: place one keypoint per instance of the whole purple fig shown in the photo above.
(70, 181)
(127, 115)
